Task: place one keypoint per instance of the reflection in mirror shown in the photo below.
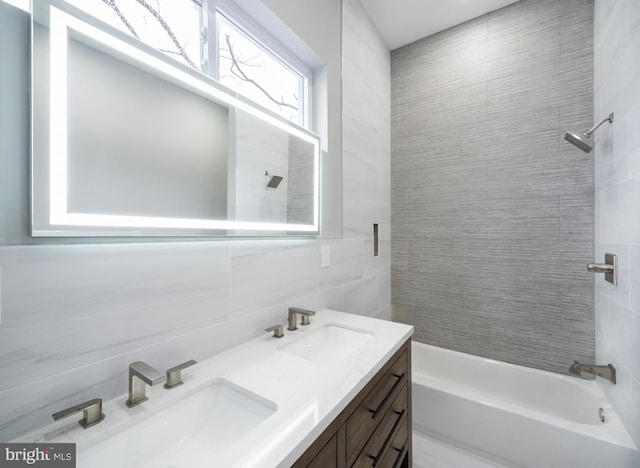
(138, 155)
(128, 142)
(263, 152)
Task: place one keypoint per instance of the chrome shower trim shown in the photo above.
(609, 119)
(584, 141)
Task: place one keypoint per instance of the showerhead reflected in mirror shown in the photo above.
(127, 142)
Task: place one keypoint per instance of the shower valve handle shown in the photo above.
(600, 268)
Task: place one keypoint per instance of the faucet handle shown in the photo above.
(277, 331)
(92, 412)
(174, 375)
(306, 314)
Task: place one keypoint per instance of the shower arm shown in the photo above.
(606, 119)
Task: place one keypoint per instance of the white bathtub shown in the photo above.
(517, 416)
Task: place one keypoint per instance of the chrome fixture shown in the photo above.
(606, 372)
(141, 374)
(174, 375)
(602, 415)
(293, 312)
(609, 268)
(584, 141)
(277, 331)
(92, 412)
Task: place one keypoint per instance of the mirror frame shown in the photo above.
(50, 216)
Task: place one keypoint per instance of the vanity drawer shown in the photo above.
(372, 410)
(391, 431)
(396, 451)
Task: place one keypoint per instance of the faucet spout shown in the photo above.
(606, 372)
(141, 374)
(293, 312)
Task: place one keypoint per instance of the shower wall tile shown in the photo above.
(617, 182)
(622, 292)
(493, 212)
(75, 316)
(620, 395)
(613, 165)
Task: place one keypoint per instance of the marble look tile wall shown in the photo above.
(74, 316)
(492, 211)
(366, 146)
(617, 194)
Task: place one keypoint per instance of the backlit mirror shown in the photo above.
(127, 142)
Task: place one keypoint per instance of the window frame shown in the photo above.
(258, 34)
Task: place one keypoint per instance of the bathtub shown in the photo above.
(516, 416)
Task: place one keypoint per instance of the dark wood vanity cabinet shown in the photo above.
(374, 430)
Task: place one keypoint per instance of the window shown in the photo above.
(240, 61)
(171, 26)
(251, 69)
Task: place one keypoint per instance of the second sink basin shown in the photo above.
(204, 424)
(328, 343)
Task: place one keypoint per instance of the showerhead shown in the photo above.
(581, 140)
(584, 141)
(274, 182)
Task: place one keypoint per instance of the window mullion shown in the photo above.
(211, 31)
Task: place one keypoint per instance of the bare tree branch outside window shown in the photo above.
(114, 7)
(166, 27)
(156, 15)
(240, 67)
(237, 70)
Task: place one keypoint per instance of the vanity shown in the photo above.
(374, 428)
(334, 393)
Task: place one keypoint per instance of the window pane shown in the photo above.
(247, 67)
(172, 26)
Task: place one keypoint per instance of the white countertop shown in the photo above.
(308, 395)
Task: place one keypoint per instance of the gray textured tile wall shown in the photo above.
(72, 317)
(617, 182)
(492, 212)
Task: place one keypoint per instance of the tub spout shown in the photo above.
(606, 372)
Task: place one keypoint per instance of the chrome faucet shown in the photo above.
(277, 331)
(606, 372)
(141, 374)
(174, 375)
(92, 412)
(293, 312)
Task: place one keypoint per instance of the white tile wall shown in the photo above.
(617, 182)
(74, 316)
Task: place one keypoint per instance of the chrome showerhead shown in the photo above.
(581, 140)
(584, 141)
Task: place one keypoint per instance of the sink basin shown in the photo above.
(204, 424)
(328, 343)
